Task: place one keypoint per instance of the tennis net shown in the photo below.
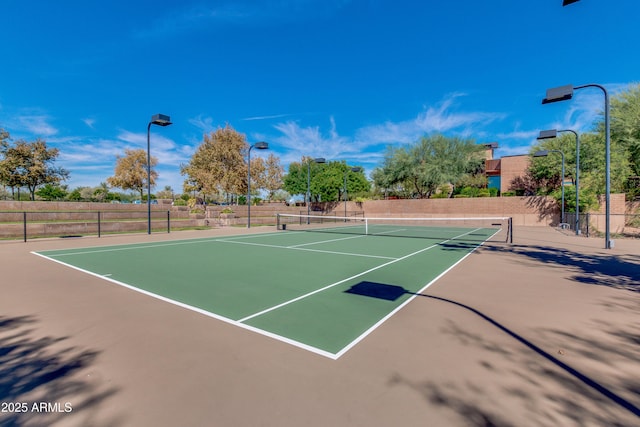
(472, 229)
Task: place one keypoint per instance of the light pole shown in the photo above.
(563, 93)
(260, 146)
(159, 120)
(547, 134)
(545, 153)
(346, 199)
(316, 160)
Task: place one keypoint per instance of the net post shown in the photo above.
(366, 226)
(510, 236)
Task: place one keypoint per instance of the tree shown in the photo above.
(274, 172)
(52, 192)
(131, 171)
(101, 192)
(295, 181)
(543, 174)
(29, 164)
(326, 180)
(328, 184)
(258, 176)
(166, 193)
(8, 164)
(421, 168)
(625, 124)
(219, 163)
(75, 195)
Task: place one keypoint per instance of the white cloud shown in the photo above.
(366, 147)
(89, 122)
(269, 117)
(36, 124)
(441, 118)
(519, 134)
(205, 124)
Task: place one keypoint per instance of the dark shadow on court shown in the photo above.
(614, 271)
(393, 292)
(36, 368)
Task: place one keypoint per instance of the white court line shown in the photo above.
(327, 241)
(347, 279)
(133, 246)
(388, 232)
(306, 249)
(333, 356)
(398, 308)
(199, 310)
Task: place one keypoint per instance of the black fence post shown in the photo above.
(24, 222)
(99, 230)
(168, 221)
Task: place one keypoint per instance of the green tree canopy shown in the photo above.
(52, 192)
(326, 179)
(419, 169)
(625, 125)
(545, 172)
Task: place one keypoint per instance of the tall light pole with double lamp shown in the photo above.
(545, 153)
(553, 133)
(316, 160)
(260, 146)
(564, 93)
(159, 120)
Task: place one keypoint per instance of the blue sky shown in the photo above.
(340, 79)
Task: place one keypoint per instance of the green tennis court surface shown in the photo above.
(320, 291)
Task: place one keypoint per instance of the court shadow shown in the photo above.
(614, 271)
(42, 370)
(377, 290)
(458, 245)
(393, 292)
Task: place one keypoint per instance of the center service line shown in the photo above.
(346, 280)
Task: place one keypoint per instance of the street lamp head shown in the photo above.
(356, 169)
(567, 2)
(320, 160)
(547, 134)
(557, 94)
(541, 153)
(161, 120)
(261, 145)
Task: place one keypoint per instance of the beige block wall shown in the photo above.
(524, 210)
(619, 208)
(512, 167)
